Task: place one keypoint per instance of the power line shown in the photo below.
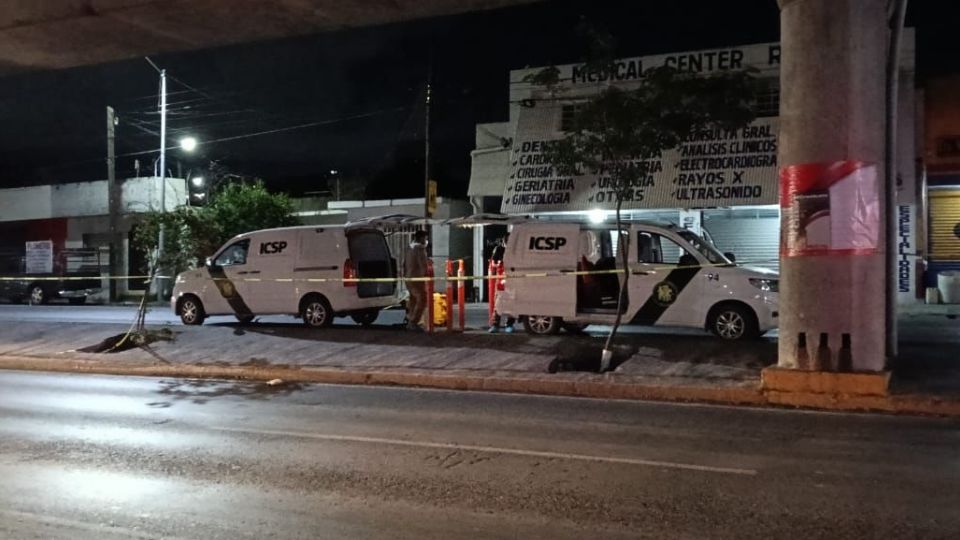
(302, 126)
(225, 101)
(154, 96)
(144, 129)
(202, 114)
(149, 61)
(331, 121)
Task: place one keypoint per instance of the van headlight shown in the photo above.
(766, 285)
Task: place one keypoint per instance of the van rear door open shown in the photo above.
(370, 257)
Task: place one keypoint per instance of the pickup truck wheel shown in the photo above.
(37, 295)
(77, 301)
(541, 324)
(191, 311)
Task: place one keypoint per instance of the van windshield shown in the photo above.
(705, 248)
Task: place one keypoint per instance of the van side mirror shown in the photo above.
(209, 262)
(729, 255)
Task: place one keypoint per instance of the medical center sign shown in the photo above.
(714, 167)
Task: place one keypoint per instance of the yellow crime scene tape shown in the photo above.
(509, 275)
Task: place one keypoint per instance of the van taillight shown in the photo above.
(349, 274)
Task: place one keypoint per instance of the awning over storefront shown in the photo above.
(482, 220)
(491, 160)
(391, 221)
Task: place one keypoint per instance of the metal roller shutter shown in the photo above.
(945, 225)
(753, 235)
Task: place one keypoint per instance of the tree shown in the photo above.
(241, 207)
(193, 233)
(618, 130)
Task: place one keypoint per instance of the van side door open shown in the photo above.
(598, 260)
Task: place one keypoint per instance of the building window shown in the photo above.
(568, 116)
(768, 97)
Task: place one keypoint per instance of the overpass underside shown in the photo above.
(56, 34)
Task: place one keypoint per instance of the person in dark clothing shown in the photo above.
(415, 266)
(498, 252)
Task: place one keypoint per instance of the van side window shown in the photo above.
(648, 248)
(235, 254)
(653, 248)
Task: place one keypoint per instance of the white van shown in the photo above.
(284, 271)
(676, 279)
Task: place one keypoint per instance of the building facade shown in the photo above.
(76, 216)
(941, 164)
(723, 184)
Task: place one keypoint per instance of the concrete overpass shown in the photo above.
(54, 34)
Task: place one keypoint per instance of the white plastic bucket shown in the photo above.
(948, 283)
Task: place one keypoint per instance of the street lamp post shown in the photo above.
(163, 173)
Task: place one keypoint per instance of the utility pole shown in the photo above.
(832, 129)
(113, 204)
(890, 174)
(426, 148)
(163, 172)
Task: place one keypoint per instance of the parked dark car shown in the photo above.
(75, 277)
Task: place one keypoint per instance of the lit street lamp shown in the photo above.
(188, 144)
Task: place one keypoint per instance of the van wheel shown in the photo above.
(191, 311)
(37, 295)
(542, 324)
(316, 311)
(366, 318)
(733, 322)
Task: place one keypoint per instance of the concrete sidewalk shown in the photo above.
(677, 367)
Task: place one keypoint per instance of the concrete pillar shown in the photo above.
(832, 110)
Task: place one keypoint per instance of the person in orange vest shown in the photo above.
(497, 256)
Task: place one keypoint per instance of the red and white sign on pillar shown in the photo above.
(830, 209)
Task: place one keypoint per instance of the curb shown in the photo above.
(778, 379)
(598, 386)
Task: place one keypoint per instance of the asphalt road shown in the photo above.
(93, 457)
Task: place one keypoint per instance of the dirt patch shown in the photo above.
(584, 355)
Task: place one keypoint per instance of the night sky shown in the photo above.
(363, 89)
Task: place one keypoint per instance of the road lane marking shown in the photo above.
(85, 525)
(492, 450)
